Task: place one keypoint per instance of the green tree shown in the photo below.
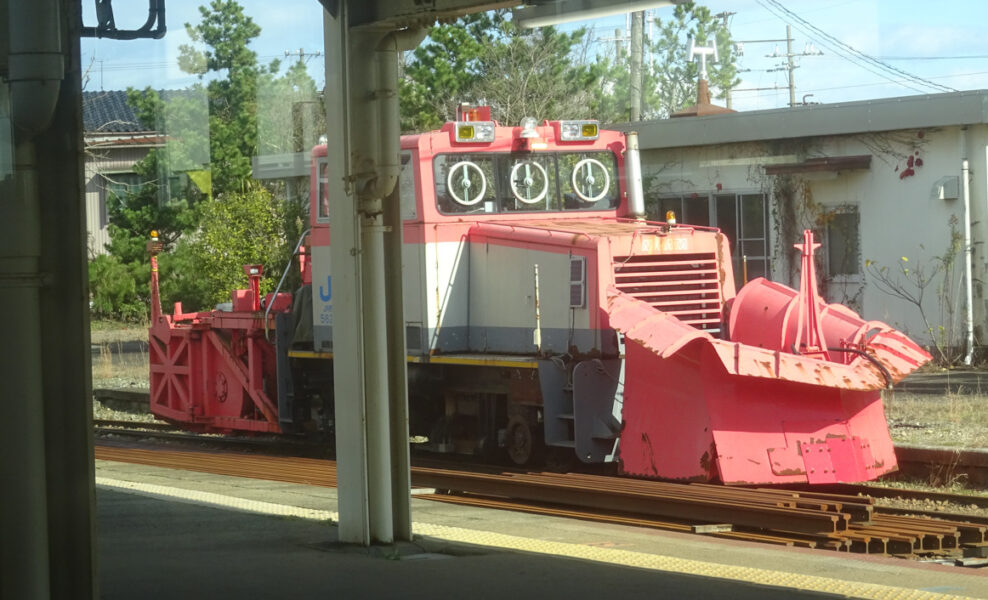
(671, 84)
(237, 229)
(541, 73)
(226, 32)
(444, 69)
(486, 58)
(164, 201)
(134, 214)
(204, 170)
(291, 112)
(114, 290)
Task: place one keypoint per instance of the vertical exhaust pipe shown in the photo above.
(633, 175)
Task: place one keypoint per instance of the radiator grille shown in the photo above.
(685, 285)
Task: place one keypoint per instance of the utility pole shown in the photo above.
(790, 66)
(635, 74)
(618, 39)
(302, 55)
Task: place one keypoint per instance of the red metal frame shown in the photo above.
(767, 405)
(214, 370)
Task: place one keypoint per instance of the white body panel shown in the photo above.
(447, 288)
(322, 303)
(503, 301)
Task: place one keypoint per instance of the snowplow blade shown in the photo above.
(698, 408)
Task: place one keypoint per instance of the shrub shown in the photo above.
(113, 291)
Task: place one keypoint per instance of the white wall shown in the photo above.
(899, 217)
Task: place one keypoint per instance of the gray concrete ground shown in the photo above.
(165, 533)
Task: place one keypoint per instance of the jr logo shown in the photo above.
(326, 293)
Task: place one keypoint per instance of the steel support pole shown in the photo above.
(401, 477)
(24, 510)
(347, 365)
(47, 496)
(34, 70)
(388, 55)
(351, 450)
(371, 419)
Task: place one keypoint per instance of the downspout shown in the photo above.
(386, 97)
(968, 259)
(633, 175)
(35, 71)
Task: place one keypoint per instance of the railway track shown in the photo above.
(144, 431)
(810, 519)
(914, 461)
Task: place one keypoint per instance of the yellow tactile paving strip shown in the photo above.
(510, 542)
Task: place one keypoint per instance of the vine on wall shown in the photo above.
(796, 210)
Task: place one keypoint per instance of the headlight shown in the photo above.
(474, 131)
(573, 131)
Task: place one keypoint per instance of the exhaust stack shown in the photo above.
(633, 171)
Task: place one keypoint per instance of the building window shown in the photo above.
(117, 186)
(322, 188)
(743, 217)
(843, 245)
(406, 187)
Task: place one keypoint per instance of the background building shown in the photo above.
(879, 181)
(115, 140)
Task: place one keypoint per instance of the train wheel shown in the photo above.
(519, 440)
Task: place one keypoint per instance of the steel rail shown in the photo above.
(913, 460)
(658, 503)
(755, 515)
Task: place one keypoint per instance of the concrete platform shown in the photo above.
(166, 533)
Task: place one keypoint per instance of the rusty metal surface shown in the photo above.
(794, 518)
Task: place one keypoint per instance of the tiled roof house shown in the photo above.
(115, 140)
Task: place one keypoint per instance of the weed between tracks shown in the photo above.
(116, 364)
(115, 368)
(957, 420)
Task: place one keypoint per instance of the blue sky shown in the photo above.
(934, 41)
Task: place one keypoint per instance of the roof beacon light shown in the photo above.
(475, 131)
(670, 218)
(528, 128)
(573, 131)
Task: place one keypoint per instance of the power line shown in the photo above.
(861, 59)
(856, 55)
(858, 85)
(964, 57)
(837, 48)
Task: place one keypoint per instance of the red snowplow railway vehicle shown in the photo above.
(543, 314)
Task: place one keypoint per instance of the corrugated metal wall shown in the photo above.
(99, 162)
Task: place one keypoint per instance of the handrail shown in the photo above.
(284, 274)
